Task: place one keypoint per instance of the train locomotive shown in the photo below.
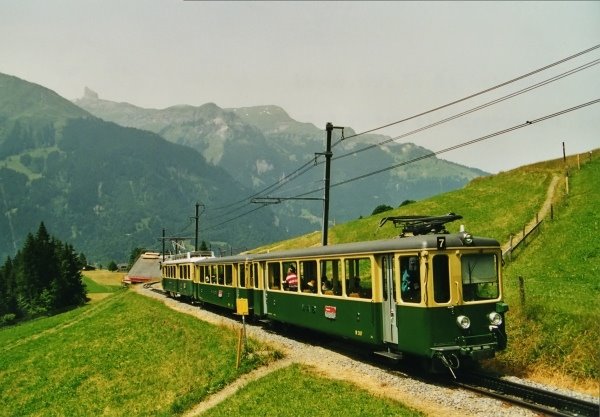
(434, 296)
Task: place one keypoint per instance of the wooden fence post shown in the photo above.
(511, 248)
(522, 290)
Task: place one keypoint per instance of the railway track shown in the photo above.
(536, 399)
(540, 400)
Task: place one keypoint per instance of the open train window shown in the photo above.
(204, 273)
(241, 268)
(479, 276)
(358, 277)
(308, 276)
(330, 280)
(441, 279)
(254, 277)
(228, 275)
(213, 274)
(274, 275)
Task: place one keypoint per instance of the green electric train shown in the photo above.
(437, 297)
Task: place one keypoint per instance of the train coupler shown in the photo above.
(449, 359)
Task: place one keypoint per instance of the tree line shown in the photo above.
(43, 277)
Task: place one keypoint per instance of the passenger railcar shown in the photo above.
(436, 297)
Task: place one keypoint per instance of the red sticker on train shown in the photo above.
(330, 312)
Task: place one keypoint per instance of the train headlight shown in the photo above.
(495, 319)
(463, 322)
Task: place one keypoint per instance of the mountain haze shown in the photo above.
(258, 146)
(102, 187)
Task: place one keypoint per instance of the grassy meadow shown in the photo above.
(555, 330)
(494, 206)
(124, 354)
(128, 355)
(296, 391)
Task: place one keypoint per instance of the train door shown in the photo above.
(390, 328)
(265, 285)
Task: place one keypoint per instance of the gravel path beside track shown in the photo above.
(431, 399)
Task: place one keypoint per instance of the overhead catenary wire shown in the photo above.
(474, 109)
(474, 94)
(276, 185)
(307, 166)
(273, 187)
(432, 154)
(463, 144)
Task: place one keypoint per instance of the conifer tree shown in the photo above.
(70, 290)
(43, 277)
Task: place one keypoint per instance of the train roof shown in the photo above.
(188, 257)
(421, 242)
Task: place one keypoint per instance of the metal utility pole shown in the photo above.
(329, 128)
(196, 234)
(276, 200)
(197, 218)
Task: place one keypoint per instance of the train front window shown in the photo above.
(441, 279)
(410, 278)
(480, 276)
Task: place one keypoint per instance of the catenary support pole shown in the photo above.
(329, 129)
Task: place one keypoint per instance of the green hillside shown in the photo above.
(25, 100)
(560, 265)
(260, 145)
(555, 328)
(101, 187)
(129, 355)
(494, 206)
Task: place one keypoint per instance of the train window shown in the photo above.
(220, 274)
(308, 276)
(274, 275)
(254, 277)
(410, 286)
(358, 277)
(330, 280)
(241, 275)
(228, 274)
(213, 274)
(441, 279)
(479, 276)
(204, 274)
(290, 278)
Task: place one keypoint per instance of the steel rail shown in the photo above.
(547, 402)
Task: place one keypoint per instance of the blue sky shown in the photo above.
(355, 64)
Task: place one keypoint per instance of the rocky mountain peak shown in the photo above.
(89, 94)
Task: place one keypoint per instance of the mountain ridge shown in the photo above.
(260, 145)
(100, 186)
